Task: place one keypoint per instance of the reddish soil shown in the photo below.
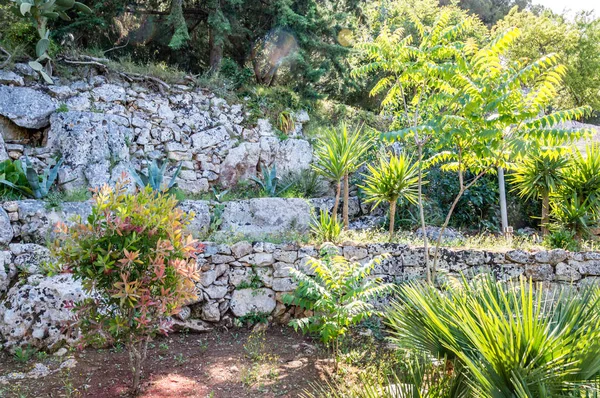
(234, 363)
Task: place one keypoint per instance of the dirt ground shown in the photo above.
(233, 363)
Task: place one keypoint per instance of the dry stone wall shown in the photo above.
(103, 127)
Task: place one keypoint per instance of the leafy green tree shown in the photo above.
(576, 42)
(416, 70)
(339, 296)
(490, 11)
(394, 177)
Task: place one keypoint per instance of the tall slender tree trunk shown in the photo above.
(438, 243)
(503, 207)
(392, 217)
(336, 203)
(216, 51)
(545, 213)
(422, 212)
(346, 200)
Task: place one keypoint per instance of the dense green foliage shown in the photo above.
(504, 340)
(134, 258)
(339, 296)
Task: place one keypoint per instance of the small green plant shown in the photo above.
(339, 296)
(561, 238)
(62, 108)
(394, 178)
(254, 283)
(285, 122)
(216, 218)
(254, 318)
(135, 257)
(269, 182)
(255, 346)
(306, 184)
(155, 177)
(326, 228)
(24, 354)
(40, 185)
(13, 180)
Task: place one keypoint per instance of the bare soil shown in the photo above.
(233, 363)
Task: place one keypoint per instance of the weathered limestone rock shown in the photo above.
(6, 230)
(26, 107)
(210, 138)
(94, 147)
(518, 256)
(8, 77)
(293, 156)
(248, 301)
(240, 164)
(8, 271)
(3, 153)
(35, 312)
(201, 221)
(266, 216)
(551, 256)
(29, 257)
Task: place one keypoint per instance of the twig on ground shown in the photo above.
(8, 57)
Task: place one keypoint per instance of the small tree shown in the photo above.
(340, 295)
(539, 176)
(394, 177)
(338, 153)
(136, 262)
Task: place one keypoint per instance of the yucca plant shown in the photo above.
(339, 153)
(582, 177)
(509, 340)
(269, 182)
(41, 184)
(539, 176)
(338, 296)
(575, 214)
(155, 177)
(326, 228)
(394, 177)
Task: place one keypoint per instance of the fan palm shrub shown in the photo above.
(326, 228)
(338, 296)
(508, 340)
(583, 175)
(338, 153)
(394, 177)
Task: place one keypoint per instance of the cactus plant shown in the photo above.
(40, 11)
(156, 173)
(40, 185)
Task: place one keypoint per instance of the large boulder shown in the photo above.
(259, 217)
(240, 164)
(94, 147)
(6, 230)
(26, 107)
(293, 156)
(252, 301)
(34, 313)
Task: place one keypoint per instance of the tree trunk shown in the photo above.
(438, 243)
(545, 213)
(346, 200)
(336, 203)
(137, 356)
(503, 207)
(422, 212)
(216, 51)
(392, 217)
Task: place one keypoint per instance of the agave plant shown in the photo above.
(40, 11)
(326, 228)
(508, 340)
(393, 178)
(155, 177)
(40, 185)
(269, 182)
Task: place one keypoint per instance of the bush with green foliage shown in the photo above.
(504, 339)
(394, 178)
(337, 297)
(137, 263)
